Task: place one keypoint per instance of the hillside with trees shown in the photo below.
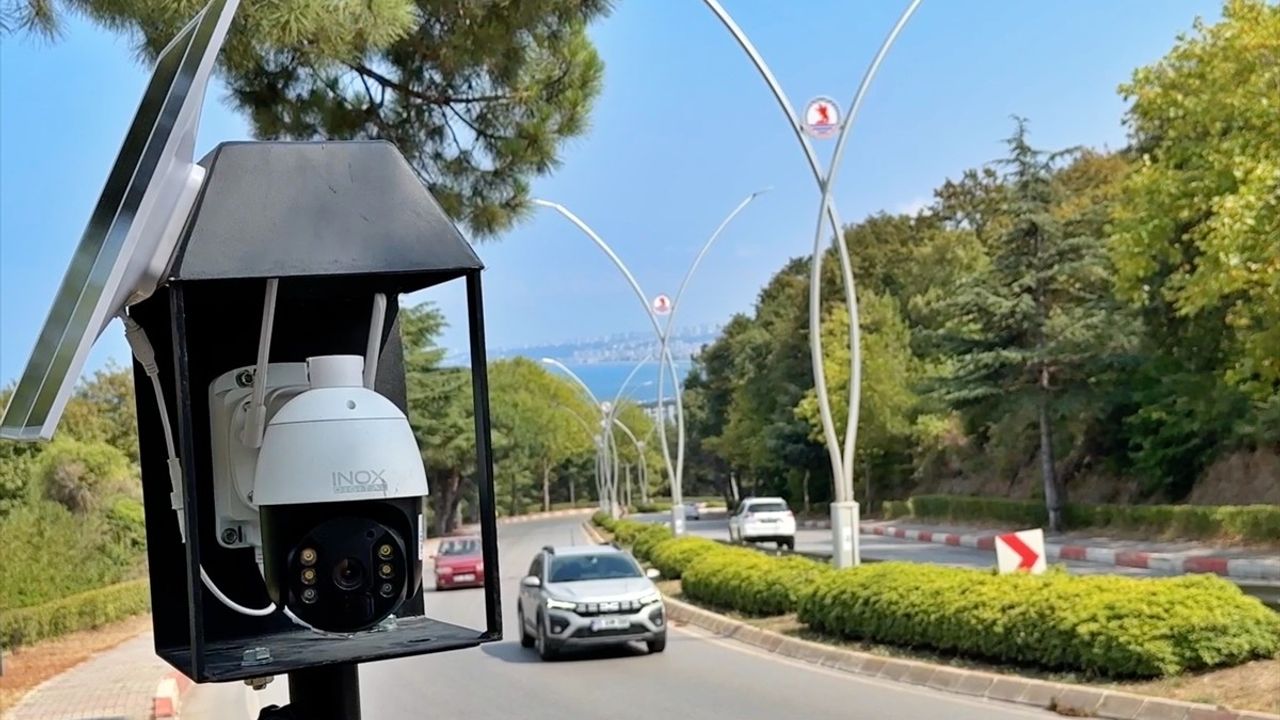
(1059, 324)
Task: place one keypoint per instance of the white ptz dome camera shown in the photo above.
(337, 442)
(333, 498)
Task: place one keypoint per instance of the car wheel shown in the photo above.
(526, 640)
(658, 644)
(546, 649)
(790, 543)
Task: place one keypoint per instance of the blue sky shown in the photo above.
(683, 130)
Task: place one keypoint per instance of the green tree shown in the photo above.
(479, 96)
(1026, 329)
(1197, 235)
(104, 409)
(82, 475)
(888, 377)
(533, 408)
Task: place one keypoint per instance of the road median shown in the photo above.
(967, 624)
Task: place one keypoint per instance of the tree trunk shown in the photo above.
(808, 508)
(573, 490)
(626, 499)
(644, 481)
(866, 499)
(546, 486)
(447, 504)
(1054, 494)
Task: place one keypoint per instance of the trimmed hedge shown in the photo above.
(75, 612)
(1102, 625)
(673, 556)
(1234, 522)
(894, 509)
(750, 582)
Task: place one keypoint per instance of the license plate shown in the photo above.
(465, 577)
(768, 520)
(610, 623)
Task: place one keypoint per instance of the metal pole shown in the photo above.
(595, 403)
(676, 469)
(328, 692)
(844, 510)
(664, 354)
(846, 266)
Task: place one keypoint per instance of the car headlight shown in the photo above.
(553, 604)
(650, 599)
(446, 570)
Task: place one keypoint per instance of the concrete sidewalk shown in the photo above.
(118, 684)
(1167, 557)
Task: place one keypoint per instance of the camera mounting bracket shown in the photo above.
(234, 462)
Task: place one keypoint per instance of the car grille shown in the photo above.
(587, 632)
(607, 608)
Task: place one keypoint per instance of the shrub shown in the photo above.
(76, 612)
(652, 507)
(750, 582)
(1233, 522)
(1102, 625)
(602, 519)
(626, 531)
(894, 509)
(80, 475)
(47, 552)
(128, 525)
(646, 540)
(671, 557)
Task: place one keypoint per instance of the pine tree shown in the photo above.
(479, 96)
(1025, 328)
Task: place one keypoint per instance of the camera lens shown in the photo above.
(348, 574)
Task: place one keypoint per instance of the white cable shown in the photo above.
(255, 424)
(146, 356)
(375, 339)
(270, 609)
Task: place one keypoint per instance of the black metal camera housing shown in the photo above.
(337, 223)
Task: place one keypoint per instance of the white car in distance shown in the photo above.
(765, 519)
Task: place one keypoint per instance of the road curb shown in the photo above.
(1073, 700)
(167, 702)
(1175, 563)
(544, 515)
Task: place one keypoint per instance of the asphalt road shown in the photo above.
(699, 676)
(878, 547)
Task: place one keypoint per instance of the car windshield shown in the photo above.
(573, 568)
(465, 546)
(767, 507)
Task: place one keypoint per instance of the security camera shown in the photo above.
(331, 500)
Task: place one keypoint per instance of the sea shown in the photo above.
(606, 378)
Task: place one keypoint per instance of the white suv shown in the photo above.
(589, 595)
(765, 519)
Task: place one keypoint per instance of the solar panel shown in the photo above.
(133, 228)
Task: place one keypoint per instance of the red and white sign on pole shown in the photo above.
(821, 118)
(662, 305)
(1021, 552)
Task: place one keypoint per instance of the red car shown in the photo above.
(459, 563)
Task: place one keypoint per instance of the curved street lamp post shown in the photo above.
(675, 470)
(844, 511)
(609, 486)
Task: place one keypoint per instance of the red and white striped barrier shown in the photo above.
(1174, 563)
(167, 702)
